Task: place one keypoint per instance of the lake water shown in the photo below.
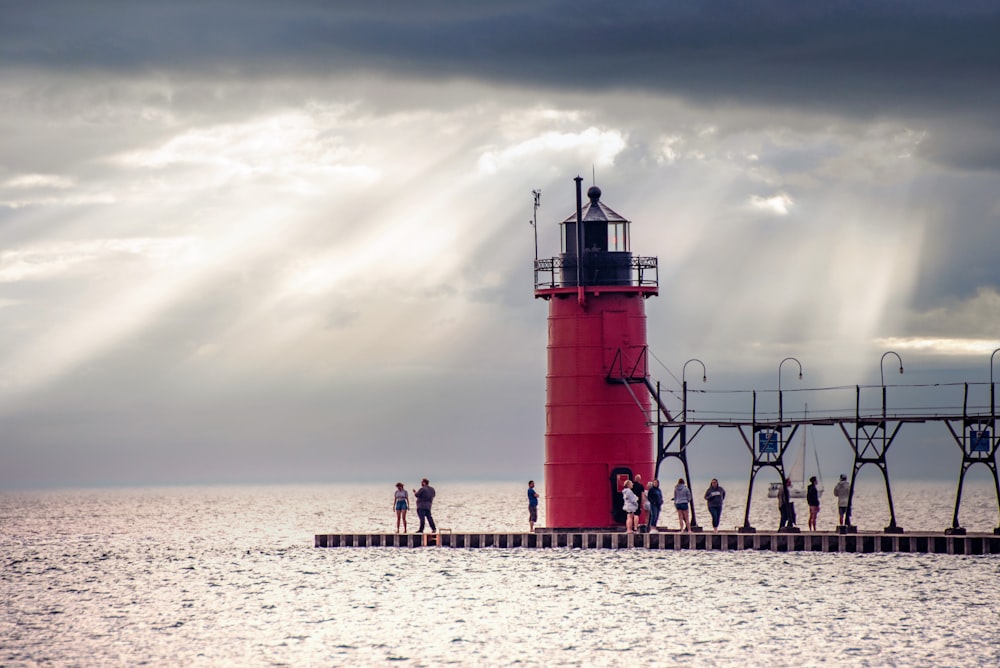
(228, 576)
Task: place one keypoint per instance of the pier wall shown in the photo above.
(931, 543)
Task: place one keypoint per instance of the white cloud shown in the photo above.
(296, 149)
(39, 181)
(46, 261)
(941, 345)
(599, 147)
(778, 204)
(207, 350)
(669, 147)
(81, 199)
(539, 120)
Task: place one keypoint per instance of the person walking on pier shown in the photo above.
(400, 503)
(682, 502)
(532, 505)
(843, 493)
(655, 497)
(630, 505)
(812, 498)
(715, 495)
(425, 497)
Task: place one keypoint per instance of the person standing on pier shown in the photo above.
(655, 497)
(785, 506)
(639, 490)
(682, 502)
(630, 504)
(532, 505)
(843, 493)
(812, 498)
(400, 503)
(715, 496)
(425, 497)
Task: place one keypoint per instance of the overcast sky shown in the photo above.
(276, 242)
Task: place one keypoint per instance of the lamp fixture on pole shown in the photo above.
(881, 362)
(780, 412)
(684, 385)
(882, 371)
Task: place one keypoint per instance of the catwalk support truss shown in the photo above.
(869, 433)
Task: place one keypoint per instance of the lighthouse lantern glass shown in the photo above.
(568, 239)
(618, 237)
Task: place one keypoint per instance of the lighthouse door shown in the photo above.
(618, 477)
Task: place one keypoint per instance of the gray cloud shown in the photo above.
(894, 56)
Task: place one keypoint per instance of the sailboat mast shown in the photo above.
(819, 472)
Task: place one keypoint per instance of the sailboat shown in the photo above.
(797, 472)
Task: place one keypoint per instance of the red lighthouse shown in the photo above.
(598, 393)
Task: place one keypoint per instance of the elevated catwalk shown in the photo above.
(934, 543)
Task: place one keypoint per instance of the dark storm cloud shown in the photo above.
(870, 58)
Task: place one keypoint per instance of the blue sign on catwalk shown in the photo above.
(979, 440)
(768, 442)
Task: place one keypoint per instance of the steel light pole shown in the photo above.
(537, 194)
(881, 368)
(780, 465)
(993, 422)
(780, 411)
(993, 409)
(683, 427)
(684, 384)
(892, 528)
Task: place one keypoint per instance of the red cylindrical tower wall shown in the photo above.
(593, 426)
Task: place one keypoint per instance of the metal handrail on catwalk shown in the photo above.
(870, 431)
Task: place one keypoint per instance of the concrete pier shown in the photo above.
(933, 543)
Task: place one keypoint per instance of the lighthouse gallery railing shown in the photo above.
(644, 271)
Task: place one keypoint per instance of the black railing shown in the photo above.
(560, 272)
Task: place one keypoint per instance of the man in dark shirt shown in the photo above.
(639, 490)
(786, 506)
(655, 496)
(532, 505)
(425, 497)
(812, 498)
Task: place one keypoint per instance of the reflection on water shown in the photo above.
(216, 576)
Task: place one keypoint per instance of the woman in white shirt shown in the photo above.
(631, 506)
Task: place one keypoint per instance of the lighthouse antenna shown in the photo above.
(534, 219)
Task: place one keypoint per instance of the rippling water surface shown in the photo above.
(228, 575)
